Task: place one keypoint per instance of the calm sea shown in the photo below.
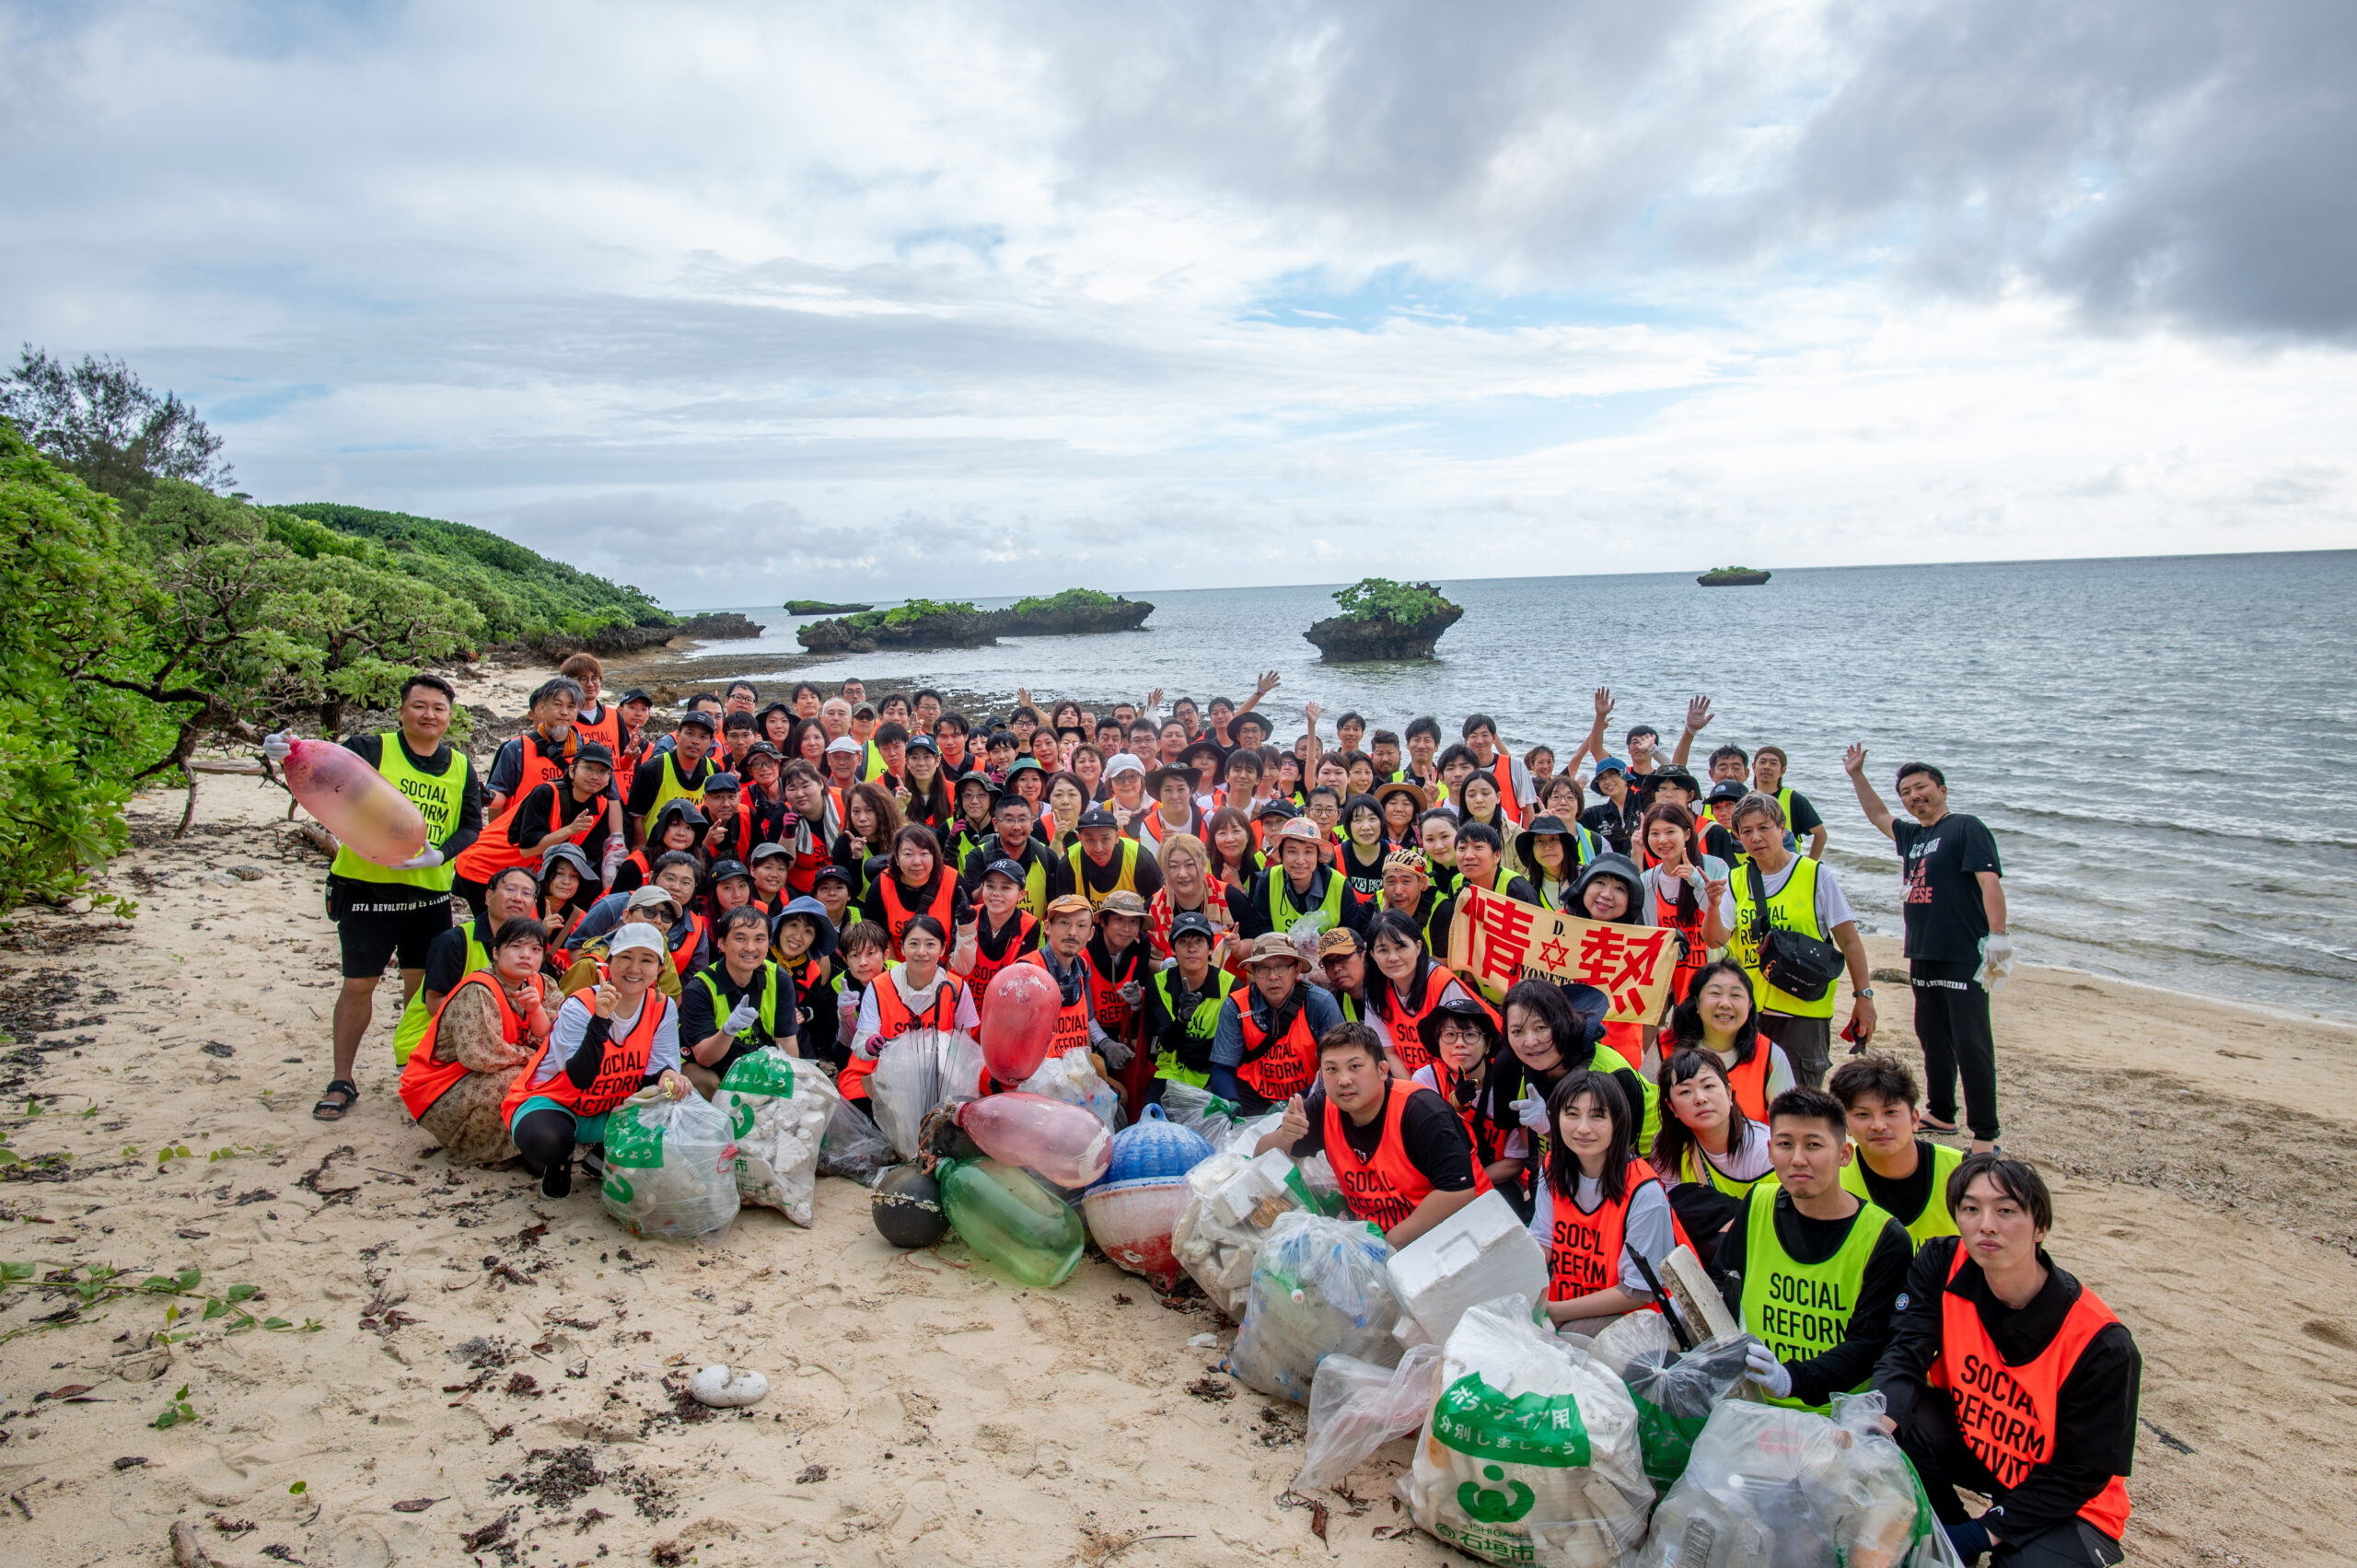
(2161, 745)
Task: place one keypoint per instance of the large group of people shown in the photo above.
(1273, 925)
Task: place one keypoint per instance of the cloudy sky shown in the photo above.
(983, 297)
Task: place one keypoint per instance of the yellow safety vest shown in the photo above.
(672, 789)
(417, 1017)
(1792, 907)
(1803, 1309)
(1126, 883)
(1935, 1220)
(438, 797)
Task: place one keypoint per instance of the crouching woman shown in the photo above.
(605, 1045)
(472, 1053)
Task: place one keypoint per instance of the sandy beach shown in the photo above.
(498, 1378)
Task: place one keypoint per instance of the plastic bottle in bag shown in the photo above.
(917, 1073)
(671, 1168)
(1320, 1289)
(1064, 1143)
(854, 1147)
(780, 1117)
(1005, 1215)
(1357, 1406)
(1530, 1452)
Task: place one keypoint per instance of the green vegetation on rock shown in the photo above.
(1069, 600)
(1380, 598)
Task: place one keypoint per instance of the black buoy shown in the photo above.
(906, 1206)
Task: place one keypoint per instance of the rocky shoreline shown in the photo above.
(949, 627)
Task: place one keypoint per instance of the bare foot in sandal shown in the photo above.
(340, 1093)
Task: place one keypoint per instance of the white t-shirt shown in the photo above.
(1646, 1230)
(917, 998)
(1747, 1161)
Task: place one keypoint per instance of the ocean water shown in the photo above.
(2166, 749)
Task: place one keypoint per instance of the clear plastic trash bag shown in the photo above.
(1356, 1406)
(1200, 1112)
(1320, 1289)
(854, 1147)
(1073, 1079)
(671, 1168)
(915, 1075)
(1530, 1451)
(1770, 1485)
(779, 1110)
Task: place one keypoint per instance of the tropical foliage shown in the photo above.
(1380, 598)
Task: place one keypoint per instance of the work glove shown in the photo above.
(427, 861)
(277, 747)
(1996, 962)
(1762, 1368)
(1117, 1054)
(740, 1019)
(1130, 994)
(1532, 1111)
(615, 853)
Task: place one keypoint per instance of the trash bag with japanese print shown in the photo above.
(1530, 1452)
(779, 1110)
(671, 1168)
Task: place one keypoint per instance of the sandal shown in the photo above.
(1934, 1124)
(331, 1109)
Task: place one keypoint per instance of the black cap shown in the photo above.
(723, 869)
(1729, 789)
(1011, 870)
(697, 717)
(923, 743)
(1275, 805)
(1096, 817)
(1192, 923)
(836, 872)
(595, 751)
(635, 694)
(763, 749)
(721, 780)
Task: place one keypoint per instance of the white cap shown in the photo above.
(1122, 762)
(845, 743)
(637, 934)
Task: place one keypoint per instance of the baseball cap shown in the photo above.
(1122, 762)
(762, 748)
(1729, 789)
(697, 717)
(721, 782)
(1193, 922)
(637, 934)
(595, 751)
(835, 873)
(635, 694)
(864, 711)
(1096, 817)
(845, 743)
(1010, 869)
(648, 897)
(1336, 942)
(1070, 903)
(1277, 807)
(722, 870)
(1300, 828)
(766, 852)
(923, 742)
(1122, 901)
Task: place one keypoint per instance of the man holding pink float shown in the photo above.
(386, 908)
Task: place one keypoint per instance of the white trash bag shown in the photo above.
(1530, 1451)
(779, 1110)
(1356, 1406)
(1073, 1078)
(915, 1075)
(1803, 1489)
(1237, 1198)
(1320, 1289)
(671, 1168)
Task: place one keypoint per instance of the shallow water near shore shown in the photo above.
(2161, 746)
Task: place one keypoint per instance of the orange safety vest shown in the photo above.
(1584, 1249)
(1017, 932)
(607, 732)
(426, 1078)
(491, 854)
(1072, 1019)
(2006, 1413)
(1386, 1188)
(1113, 1015)
(1407, 1028)
(894, 1018)
(1502, 774)
(1276, 1070)
(896, 915)
(1696, 953)
(619, 1076)
(1626, 1041)
(683, 956)
(1749, 1080)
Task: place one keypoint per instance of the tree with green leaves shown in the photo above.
(102, 420)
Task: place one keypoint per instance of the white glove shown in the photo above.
(1130, 994)
(426, 862)
(1533, 1112)
(740, 1019)
(1762, 1368)
(277, 747)
(1996, 962)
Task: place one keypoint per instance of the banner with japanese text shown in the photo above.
(1503, 940)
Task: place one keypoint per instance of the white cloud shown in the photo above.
(730, 302)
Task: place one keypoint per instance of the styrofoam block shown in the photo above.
(1478, 1254)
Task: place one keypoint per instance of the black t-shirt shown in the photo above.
(1945, 919)
(1805, 1240)
(1802, 819)
(446, 957)
(529, 825)
(1432, 1136)
(698, 1022)
(1611, 824)
(1904, 1199)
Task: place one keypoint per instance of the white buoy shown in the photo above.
(726, 1387)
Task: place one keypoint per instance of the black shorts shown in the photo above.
(372, 938)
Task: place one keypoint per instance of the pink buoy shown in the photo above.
(1063, 1142)
(1018, 1020)
(360, 805)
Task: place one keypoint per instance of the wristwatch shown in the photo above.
(1866, 990)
